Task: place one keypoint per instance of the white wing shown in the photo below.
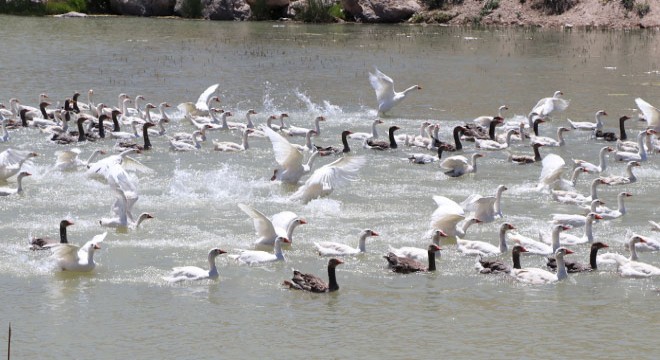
(283, 219)
(204, 97)
(553, 168)
(651, 113)
(480, 207)
(382, 84)
(454, 162)
(285, 154)
(67, 156)
(447, 215)
(329, 177)
(11, 160)
(262, 225)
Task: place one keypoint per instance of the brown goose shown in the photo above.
(458, 131)
(131, 145)
(611, 136)
(383, 145)
(496, 266)
(406, 265)
(313, 283)
(574, 266)
(42, 242)
(328, 150)
(473, 131)
(527, 159)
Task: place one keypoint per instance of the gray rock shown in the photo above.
(220, 9)
(382, 11)
(143, 7)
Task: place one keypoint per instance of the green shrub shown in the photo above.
(317, 11)
(434, 17)
(554, 7)
(261, 12)
(22, 7)
(642, 9)
(489, 6)
(191, 9)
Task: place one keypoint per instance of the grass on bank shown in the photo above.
(53, 7)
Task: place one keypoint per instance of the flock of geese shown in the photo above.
(294, 161)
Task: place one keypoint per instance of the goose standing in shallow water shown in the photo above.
(406, 265)
(385, 95)
(196, 273)
(312, 283)
(329, 248)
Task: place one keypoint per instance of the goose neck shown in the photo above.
(431, 260)
(393, 144)
(213, 270)
(561, 267)
(457, 138)
(63, 238)
(344, 142)
(332, 279)
(622, 129)
(516, 259)
(503, 247)
(593, 255)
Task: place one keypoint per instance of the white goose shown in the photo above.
(536, 276)
(362, 136)
(641, 154)
(484, 208)
(6, 191)
(649, 244)
(651, 114)
(385, 95)
(484, 121)
(537, 247)
(201, 106)
(419, 254)
(68, 160)
(609, 214)
(329, 177)
(493, 145)
(301, 131)
(482, 248)
(257, 257)
(289, 158)
(330, 248)
(182, 145)
(629, 178)
(589, 126)
(11, 161)
(573, 197)
(546, 141)
(631, 267)
(281, 224)
(566, 239)
(551, 105)
(602, 161)
(70, 257)
(5, 134)
(610, 258)
(447, 217)
(123, 219)
(192, 273)
(459, 165)
(229, 146)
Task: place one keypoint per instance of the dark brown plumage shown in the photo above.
(40, 243)
(329, 150)
(406, 265)
(384, 145)
(473, 131)
(527, 159)
(145, 137)
(497, 266)
(574, 266)
(313, 283)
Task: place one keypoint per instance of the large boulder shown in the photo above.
(219, 9)
(271, 4)
(381, 11)
(143, 7)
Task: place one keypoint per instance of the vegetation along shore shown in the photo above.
(604, 14)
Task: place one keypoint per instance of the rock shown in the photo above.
(143, 7)
(271, 4)
(382, 11)
(220, 9)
